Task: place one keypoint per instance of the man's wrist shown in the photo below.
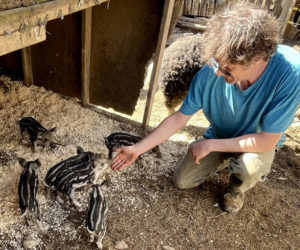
(211, 145)
(137, 149)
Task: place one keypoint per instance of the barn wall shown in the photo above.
(11, 64)
(124, 38)
(291, 32)
(56, 62)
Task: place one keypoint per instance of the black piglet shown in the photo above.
(28, 190)
(97, 212)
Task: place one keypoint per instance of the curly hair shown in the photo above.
(241, 34)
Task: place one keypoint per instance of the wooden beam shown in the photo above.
(86, 36)
(192, 26)
(161, 44)
(17, 25)
(284, 20)
(18, 40)
(27, 66)
(201, 21)
(18, 19)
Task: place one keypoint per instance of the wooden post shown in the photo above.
(203, 8)
(27, 66)
(286, 18)
(86, 55)
(195, 7)
(211, 7)
(188, 7)
(266, 4)
(161, 43)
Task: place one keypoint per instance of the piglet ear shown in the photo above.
(104, 183)
(36, 164)
(22, 162)
(104, 186)
(52, 129)
(106, 141)
(79, 150)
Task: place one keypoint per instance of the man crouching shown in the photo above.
(249, 91)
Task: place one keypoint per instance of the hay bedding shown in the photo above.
(76, 126)
(145, 210)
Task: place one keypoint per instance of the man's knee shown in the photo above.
(187, 181)
(249, 169)
(251, 165)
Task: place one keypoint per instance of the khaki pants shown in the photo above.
(246, 168)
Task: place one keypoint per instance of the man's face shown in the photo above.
(232, 73)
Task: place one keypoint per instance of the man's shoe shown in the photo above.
(233, 201)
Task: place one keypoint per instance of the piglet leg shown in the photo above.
(99, 243)
(92, 238)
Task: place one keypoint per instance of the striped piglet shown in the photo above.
(35, 134)
(96, 221)
(116, 140)
(28, 191)
(73, 173)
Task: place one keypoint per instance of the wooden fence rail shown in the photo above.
(207, 8)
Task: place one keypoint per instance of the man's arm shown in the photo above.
(164, 130)
(257, 143)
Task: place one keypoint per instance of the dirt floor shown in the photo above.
(145, 210)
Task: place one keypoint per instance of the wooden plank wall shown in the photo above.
(292, 32)
(25, 26)
(199, 7)
(206, 8)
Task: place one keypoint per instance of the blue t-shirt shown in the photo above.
(268, 105)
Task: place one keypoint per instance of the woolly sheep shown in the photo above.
(181, 61)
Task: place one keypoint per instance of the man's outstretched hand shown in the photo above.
(126, 156)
